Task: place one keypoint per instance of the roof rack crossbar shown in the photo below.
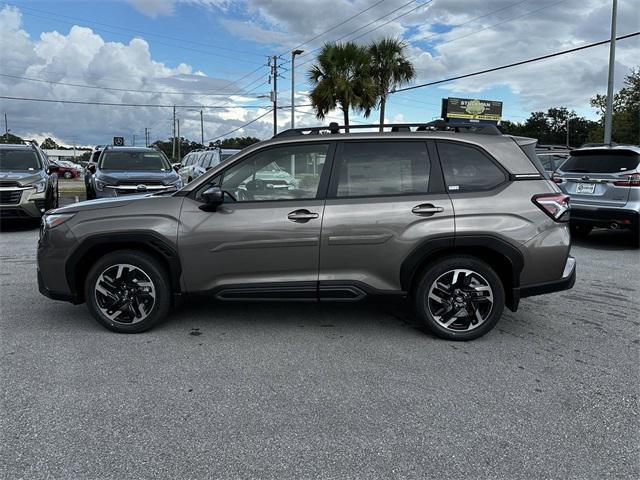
(436, 125)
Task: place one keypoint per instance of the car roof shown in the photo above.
(16, 146)
(609, 148)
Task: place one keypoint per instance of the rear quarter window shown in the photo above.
(601, 162)
(467, 168)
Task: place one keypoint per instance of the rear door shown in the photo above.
(589, 176)
(386, 197)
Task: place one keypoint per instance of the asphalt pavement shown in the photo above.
(312, 391)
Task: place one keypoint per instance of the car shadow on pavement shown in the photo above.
(605, 239)
(19, 225)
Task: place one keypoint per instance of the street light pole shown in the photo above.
(293, 85)
(201, 129)
(612, 60)
(568, 119)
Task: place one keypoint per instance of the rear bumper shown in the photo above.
(604, 217)
(565, 283)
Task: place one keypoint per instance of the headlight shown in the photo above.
(53, 220)
(100, 185)
(40, 185)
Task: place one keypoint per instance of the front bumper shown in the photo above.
(565, 283)
(604, 217)
(21, 202)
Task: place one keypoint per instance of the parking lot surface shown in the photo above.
(323, 391)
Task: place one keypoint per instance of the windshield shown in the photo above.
(19, 160)
(136, 161)
(601, 162)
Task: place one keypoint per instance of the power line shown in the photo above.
(159, 35)
(239, 128)
(389, 21)
(113, 104)
(366, 25)
(515, 64)
(98, 87)
(337, 25)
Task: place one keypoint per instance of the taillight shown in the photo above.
(633, 181)
(556, 205)
(556, 177)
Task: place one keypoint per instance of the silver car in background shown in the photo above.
(604, 185)
(196, 162)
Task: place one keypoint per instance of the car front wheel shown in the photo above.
(459, 298)
(128, 292)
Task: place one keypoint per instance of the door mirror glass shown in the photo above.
(176, 166)
(92, 167)
(53, 168)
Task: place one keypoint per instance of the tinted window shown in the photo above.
(382, 168)
(204, 159)
(267, 175)
(148, 161)
(601, 162)
(467, 168)
(187, 159)
(19, 160)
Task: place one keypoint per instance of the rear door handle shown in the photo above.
(426, 210)
(302, 216)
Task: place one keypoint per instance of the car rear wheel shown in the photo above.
(68, 175)
(579, 230)
(128, 292)
(459, 298)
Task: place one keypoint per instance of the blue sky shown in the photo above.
(205, 45)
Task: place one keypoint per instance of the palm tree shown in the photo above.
(390, 68)
(340, 78)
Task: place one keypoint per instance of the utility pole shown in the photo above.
(6, 127)
(273, 63)
(293, 85)
(568, 119)
(179, 139)
(146, 137)
(201, 129)
(173, 151)
(612, 60)
(133, 140)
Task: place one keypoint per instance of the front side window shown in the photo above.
(468, 169)
(382, 168)
(134, 161)
(271, 174)
(11, 160)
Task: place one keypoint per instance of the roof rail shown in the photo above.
(436, 125)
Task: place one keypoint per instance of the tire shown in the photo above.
(468, 280)
(579, 230)
(635, 237)
(118, 272)
(68, 175)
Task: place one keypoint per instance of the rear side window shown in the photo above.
(601, 162)
(468, 169)
(382, 168)
(204, 159)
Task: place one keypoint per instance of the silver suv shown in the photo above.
(130, 170)
(604, 185)
(28, 181)
(460, 223)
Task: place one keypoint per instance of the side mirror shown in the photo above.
(176, 166)
(92, 167)
(53, 168)
(213, 197)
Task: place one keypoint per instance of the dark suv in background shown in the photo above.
(128, 170)
(604, 185)
(462, 222)
(28, 181)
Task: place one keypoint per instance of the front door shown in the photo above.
(386, 198)
(264, 241)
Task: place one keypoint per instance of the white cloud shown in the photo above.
(83, 57)
(154, 8)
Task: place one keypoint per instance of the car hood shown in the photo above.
(114, 177)
(101, 203)
(24, 177)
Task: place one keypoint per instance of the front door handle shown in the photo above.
(302, 216)
(426, 210)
